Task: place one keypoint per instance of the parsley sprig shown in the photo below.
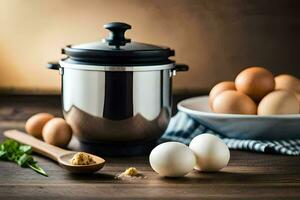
(11, 150)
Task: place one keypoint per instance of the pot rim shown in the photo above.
(68, 65)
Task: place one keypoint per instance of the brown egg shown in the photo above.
(255, 82)
(234, 102)
(57, 132)
(35, 124)
(279, 102)
(220, 87)
(288, 82)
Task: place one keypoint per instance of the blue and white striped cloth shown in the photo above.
(183, 128)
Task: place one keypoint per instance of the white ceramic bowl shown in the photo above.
(242, 126)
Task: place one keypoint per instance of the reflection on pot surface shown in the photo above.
(90, 128)
(112, 106)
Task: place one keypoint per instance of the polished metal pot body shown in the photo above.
(117, 105)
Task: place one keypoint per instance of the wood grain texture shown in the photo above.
(248, 176)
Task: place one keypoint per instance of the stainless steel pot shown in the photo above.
(117, 108)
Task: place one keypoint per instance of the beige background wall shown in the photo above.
(217, 38)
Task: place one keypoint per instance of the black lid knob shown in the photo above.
(117, 34)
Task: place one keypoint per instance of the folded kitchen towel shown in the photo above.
(183, 128)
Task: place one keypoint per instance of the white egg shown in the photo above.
(212, 154)
(172, 159)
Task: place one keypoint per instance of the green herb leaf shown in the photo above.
(2, 155)
(25, 149)
(25, 160)
(38, 169)
(19, 153)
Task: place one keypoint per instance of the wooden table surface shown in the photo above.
(249, 175)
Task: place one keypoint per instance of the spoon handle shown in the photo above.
(38, 146)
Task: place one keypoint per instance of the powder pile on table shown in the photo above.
(131, 172)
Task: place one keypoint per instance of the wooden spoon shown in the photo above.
(57, 154)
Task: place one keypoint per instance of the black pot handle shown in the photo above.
(181, 68)
(53, 65)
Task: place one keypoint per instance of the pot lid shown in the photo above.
(118, 50)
